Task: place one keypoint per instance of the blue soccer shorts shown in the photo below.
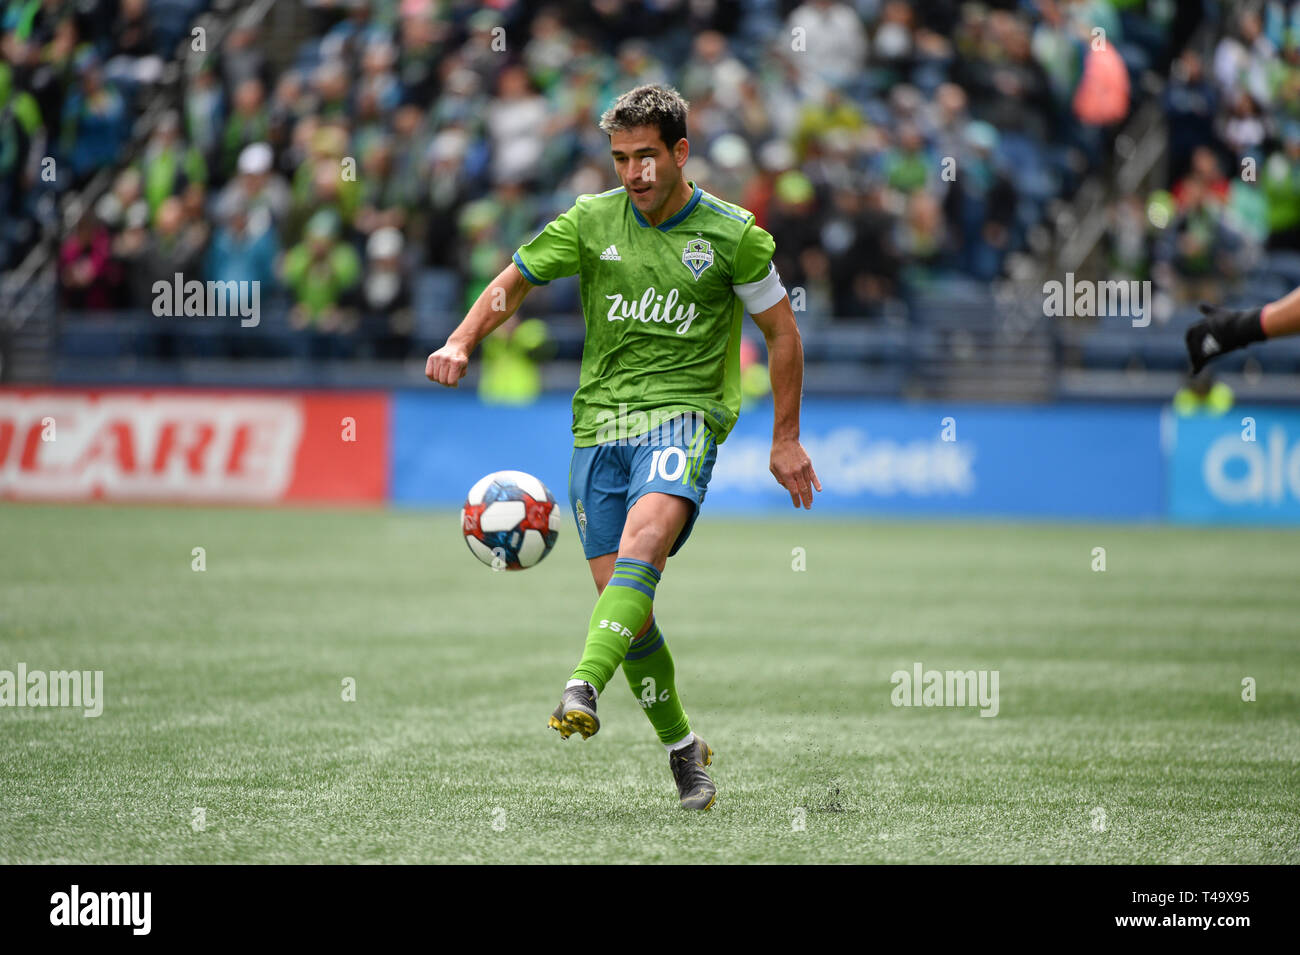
(607, 479)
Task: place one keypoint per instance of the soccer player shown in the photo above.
(1224, 330)
(666, 272)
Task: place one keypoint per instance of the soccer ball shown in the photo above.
(510, 520)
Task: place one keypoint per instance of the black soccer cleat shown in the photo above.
(576, 712)
(694, 787)
(1222, 330)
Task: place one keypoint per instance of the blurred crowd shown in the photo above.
(1232, 163)
(388, 166)
(69, 77)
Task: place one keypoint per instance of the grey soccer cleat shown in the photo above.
(576, 712)
(694, 786)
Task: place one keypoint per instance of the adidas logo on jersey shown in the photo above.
(611, 255)
(1210, 345)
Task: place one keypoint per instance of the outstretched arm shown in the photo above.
(1224, 329)
(1283, 316)
(495, 304)
(790, 464)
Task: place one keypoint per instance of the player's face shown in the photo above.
(645, 166)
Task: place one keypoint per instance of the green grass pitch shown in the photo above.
(1119, 690)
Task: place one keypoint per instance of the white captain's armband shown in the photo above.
(761, 295)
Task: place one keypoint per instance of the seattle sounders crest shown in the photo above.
(697, 256)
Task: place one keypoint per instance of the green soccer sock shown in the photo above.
(620, 613)
(649, 669)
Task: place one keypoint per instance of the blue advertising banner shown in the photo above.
(872, 457)
(1242, 468)
(444, 441)
(891, 458)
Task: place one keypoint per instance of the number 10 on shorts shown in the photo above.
(668, 463)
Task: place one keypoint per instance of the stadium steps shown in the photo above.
(970, 367)
(974, 350)
(29, 355)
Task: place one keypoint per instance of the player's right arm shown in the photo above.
(1282, 317)
(1224, 329)
(551, 255)
(495, 304)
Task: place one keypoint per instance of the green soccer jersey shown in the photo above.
(663, 308)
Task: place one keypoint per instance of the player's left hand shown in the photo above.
(793, 470)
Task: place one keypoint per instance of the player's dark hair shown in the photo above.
(659, 106)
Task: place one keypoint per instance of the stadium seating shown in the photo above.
(460, 225)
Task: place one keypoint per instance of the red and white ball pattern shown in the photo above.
(510, 520)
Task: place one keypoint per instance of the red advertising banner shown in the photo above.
(193, 445)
